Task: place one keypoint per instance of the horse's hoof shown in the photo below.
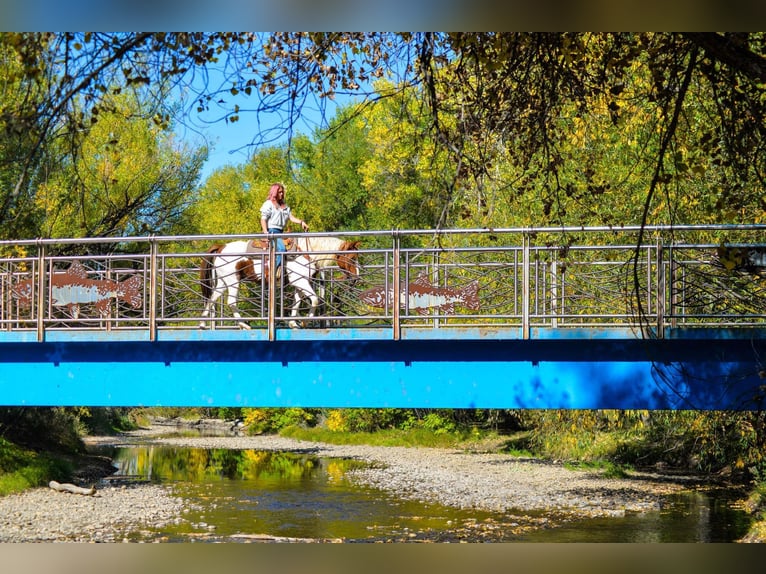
(244, 326)
(203, 326)
(294, 325)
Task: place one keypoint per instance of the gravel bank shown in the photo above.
(452, 477)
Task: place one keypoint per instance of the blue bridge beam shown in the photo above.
(577, 369)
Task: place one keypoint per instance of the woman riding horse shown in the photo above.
(275, 213)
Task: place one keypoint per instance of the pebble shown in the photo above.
(46, 515)
(452, 477)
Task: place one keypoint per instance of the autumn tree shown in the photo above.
(128, 177)
(485, 93)
(230, 199)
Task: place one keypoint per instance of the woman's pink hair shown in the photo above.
(274, 190)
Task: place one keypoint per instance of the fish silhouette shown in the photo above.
(72, 287)
(421, 295)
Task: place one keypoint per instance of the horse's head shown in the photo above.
(348, 258)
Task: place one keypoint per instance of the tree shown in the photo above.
(128, 178)
(231, 198)
(509, 90)
(327, 172)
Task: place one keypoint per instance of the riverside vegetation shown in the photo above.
(42, 444)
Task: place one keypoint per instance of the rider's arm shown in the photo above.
(303, 224)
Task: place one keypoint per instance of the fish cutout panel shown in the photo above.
(73, 287)
(421, 296)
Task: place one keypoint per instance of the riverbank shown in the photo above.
(452, 477)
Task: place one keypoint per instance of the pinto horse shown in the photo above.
(225, 266)
(326, 254)
(332, 252)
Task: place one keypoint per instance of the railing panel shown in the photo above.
(687, 276)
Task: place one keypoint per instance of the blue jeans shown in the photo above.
(280, 245)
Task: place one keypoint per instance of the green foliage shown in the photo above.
(128, 178)
(106, 420)
(326, 171)
(469, 128)
(415, 437)
(271, 420)
(367, 420)
(24, 468)
(704, 441)
(52, 428)
(230, 199)
(605, 468)
(708, 441)
(438, 421)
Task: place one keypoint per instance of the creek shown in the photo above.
(250, 495)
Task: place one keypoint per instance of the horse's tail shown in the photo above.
(206, 270)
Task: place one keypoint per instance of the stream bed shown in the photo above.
(251, 495)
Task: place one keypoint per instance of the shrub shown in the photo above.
(270, 420)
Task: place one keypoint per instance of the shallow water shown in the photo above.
(247, 495)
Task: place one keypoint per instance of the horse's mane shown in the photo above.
(349, 245)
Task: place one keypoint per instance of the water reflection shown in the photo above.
(241, 495)
(248, 494)
(687, 517)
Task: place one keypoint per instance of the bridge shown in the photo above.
(665, 317)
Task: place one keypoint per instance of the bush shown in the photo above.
(21, 469)
(271, 420)
(43, 428)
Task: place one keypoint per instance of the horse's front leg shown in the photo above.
(314, 304)
(294, 313)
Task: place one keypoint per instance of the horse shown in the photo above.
(225, 266)
(333, 251)
(327, 253)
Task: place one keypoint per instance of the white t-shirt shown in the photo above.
(276, 218)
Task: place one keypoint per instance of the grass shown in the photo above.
(606, 468)
(21, 469)
(517, 445)
(416, 437)
(593, 458)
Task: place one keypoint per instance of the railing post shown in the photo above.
(153, 272)
(41, 296)
(671, 283)
(554, 295)
(397, 287)
(272, 310)
(660, 327)
(525, 295)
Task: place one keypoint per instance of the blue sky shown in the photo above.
(231, 142)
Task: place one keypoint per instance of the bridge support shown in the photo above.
(345, 368)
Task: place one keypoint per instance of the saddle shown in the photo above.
(260, 247)
(257, 246)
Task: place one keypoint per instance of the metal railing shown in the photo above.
(525, 278)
